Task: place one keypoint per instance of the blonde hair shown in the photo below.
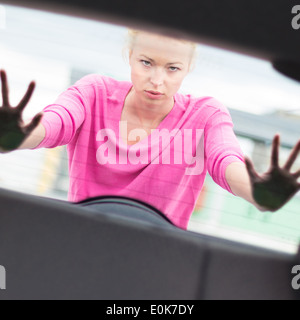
(131, 39)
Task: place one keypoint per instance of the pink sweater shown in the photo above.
(167, 169)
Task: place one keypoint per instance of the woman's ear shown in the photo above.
(130, 52)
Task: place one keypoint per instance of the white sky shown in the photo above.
(64, 42)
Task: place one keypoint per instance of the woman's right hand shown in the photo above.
(13, 131)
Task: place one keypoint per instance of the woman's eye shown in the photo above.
(146, 63)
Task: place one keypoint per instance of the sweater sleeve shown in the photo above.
(221, 146)
(64, 118)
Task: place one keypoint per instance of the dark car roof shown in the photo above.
(258, 28)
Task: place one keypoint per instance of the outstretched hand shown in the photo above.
(275, 188)
(12, 128)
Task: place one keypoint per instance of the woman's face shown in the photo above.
(158, 64)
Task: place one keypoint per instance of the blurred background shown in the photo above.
(57, 50)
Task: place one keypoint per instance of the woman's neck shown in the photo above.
(148, 115)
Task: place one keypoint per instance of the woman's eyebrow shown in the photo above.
(142, 55)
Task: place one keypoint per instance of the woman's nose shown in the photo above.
(157, 77)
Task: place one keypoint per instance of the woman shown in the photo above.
(144, 140)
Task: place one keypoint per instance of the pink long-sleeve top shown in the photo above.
(167, 169)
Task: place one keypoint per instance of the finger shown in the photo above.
(297, 174)
(250, 168)
(34, 123)
(27, 97)
(275, 152)
(4, 88)
(291, 160)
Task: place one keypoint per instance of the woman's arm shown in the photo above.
(271, 190)
(238, 179)
(35, 138)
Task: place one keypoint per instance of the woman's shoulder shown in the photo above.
(201, 103)
(100, 81)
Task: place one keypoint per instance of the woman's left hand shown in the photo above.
(274, 189)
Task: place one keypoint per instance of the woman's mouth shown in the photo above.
(154, 94)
